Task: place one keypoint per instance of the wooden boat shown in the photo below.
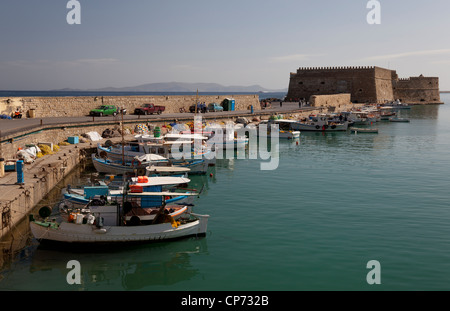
(223, 138)
(176, 171)
(386, 113)
(82, 197)
(109, 224)
(321, 123)
(285, 129)
(397, 104)
(69, 232)
(196, 162)
(362, 117)
(136, 166)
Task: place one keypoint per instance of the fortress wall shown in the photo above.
(417, 90)
(365, 84)
(358, 81)
(383, 85)
(81, 105)
(336, 100)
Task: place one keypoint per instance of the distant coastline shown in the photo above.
(262, 95)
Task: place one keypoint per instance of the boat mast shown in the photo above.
(123, 142)
(196, 102)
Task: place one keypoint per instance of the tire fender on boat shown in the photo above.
(140, 171)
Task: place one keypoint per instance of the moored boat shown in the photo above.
(90, 233)
(321, 123)
(115, 223)
(196, 161)
(282, 128)
(137, 165)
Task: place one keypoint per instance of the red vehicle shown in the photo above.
(149, 109)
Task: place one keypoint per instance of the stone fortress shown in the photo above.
(364, 84)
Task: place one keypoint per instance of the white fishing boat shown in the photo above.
(224, 138)
(82, 197)
(283, 128)
(321, 123)
(136, 216)
(177, 171)
(200, 150)
(361, 118)
(94, 231)
(397, 104)
(196, 161)
(136, 166)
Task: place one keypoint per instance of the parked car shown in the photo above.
(105, 110)
(201, 107)
(149, 109)
(213, 107)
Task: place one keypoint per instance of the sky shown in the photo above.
(247, 42)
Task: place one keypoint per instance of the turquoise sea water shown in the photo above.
(335, 202)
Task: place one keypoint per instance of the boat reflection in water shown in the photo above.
(134, 268)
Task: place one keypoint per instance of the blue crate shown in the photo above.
(73, 140)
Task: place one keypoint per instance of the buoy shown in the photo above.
(296, 143)
(211, 175)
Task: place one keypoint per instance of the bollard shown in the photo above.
(19, 169)
(2, 167)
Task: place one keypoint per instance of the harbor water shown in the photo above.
(335, 202)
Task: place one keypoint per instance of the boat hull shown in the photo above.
(364, 130)
(199, 166)
(317, 128)
(89, 234)
(103, 166)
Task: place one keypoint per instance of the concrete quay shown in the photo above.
(40, 177)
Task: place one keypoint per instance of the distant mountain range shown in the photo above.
(181, 87)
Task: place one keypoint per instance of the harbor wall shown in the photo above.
(17, 201)
(10, 144)
(75, 106)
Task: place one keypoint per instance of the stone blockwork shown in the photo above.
(365, 84)
(417, 89)
(81, 105)
(326, 101)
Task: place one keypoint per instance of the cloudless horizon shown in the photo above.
(247, 42)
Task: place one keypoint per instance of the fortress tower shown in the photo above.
(365, 84)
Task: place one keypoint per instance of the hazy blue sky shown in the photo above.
(246, 42)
